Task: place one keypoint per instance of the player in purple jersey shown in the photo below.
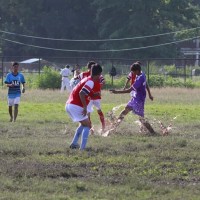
(136, 104)
(14, 80)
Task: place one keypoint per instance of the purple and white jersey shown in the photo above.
(139, 87)
(136, 104)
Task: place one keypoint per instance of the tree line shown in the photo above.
(102, 20)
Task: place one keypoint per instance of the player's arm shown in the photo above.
(126, 84)
(80, 77)
(149, 92)
(23, 87)
(8, 82)
(85, 91)
(96, 94)
(121, 91)
(10, 85)
(82, 97)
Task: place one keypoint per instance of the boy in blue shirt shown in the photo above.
(14, 80)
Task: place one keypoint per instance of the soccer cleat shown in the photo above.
(147, 125)
(92, 131)
(74, 146)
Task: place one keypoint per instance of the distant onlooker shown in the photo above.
(75, 80)
(113, 71)
(65, 73)
(13, 81)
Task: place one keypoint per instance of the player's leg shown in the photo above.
(91, 129)
(118, 121)
(89, 111)
(10, 113)
(62, 85)
(65, 84)
(147, 125)
(102, 119)
(97, 104)
(16, 105)
(74, 144)
(68, 87)
(10, 105)
(75, 113)
(85, 133)
(138, 108)
(15, 111)
(122, 115)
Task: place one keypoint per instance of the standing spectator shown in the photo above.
(65, 73)
(113, 71)
(75, 80)
(76, 106)
(13, 82)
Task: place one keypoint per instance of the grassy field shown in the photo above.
(36, 162)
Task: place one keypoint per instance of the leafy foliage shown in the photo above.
(95, 19)
(48, 79)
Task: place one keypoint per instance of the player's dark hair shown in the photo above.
(67, 66)
(15, 63)
(90, 63)
(138, 62)
(96, 69)
(135, 67)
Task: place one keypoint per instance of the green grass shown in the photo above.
(36, 162)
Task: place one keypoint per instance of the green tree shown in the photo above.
(130, 18)
(71, 19)
(96, 19)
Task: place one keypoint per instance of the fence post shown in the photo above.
(148, 71)
(2, 71)
(39, 66)
(184, 71)
(112, 75)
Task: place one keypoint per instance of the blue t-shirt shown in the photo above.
(139, 87)
(16, 80)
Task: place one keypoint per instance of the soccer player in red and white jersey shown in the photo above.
(96, 98)
(76, 106)
(86, 73)
(96, 101)
(131, 77)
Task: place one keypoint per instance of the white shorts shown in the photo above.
(75, 112)
(96, 103)
(132, 93)
(12, 102)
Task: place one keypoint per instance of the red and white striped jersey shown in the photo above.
(86, 85)
(83, 75)
(131, 76)
(98, 87)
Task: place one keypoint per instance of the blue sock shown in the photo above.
(77, 134)
(84, 138)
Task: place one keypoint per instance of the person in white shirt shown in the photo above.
(65, 73)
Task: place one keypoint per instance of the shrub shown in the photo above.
(49, 79)
(118, 82)
(156, 81)
(173, 82)
(31, 80)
